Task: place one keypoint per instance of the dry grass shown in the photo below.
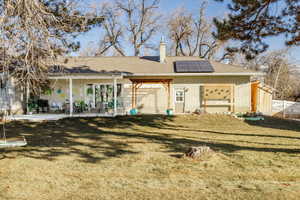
(139, 158)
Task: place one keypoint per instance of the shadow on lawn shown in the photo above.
(277, 123)
(91, 139)
(81, 137)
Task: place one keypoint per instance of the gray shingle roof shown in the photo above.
(136, 65)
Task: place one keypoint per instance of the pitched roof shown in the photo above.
(138, 65)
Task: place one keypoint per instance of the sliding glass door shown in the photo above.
(104, 94)
(101, 96)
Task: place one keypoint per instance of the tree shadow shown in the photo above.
(237, 134)
(175, 144)
(80, 137)
(276, 123)
(93, 140)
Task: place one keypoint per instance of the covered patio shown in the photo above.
(78, 92)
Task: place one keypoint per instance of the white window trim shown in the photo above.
(175, 93)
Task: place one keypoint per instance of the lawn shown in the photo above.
(141, 158)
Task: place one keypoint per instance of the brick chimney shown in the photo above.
(162, 51)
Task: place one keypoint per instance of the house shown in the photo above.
(148, 85)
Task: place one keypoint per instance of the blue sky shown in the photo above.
(214, 9)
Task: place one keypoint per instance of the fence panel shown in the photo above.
(286, 108)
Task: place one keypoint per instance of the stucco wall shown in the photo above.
(152, 98)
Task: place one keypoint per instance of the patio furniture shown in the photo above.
(102, 107)
(31, 106)
(56, 106)
(42, 105)
(80, 106)
(66, 107)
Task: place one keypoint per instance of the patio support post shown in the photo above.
(27, 97)
(71, 95)
(133, 95)
(169, 95)
(115, 96)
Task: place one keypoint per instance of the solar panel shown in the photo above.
(201, 66)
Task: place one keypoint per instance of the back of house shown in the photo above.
(148, 85)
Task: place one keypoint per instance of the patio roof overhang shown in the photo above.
(85, 76)
(83, 72)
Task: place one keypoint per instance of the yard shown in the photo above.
(140, 158)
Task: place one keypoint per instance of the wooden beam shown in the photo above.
(169, 95)
(132, 95)
(150, 81)
(254, 96)
(232, 98)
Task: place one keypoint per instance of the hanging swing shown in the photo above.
(10, 142)
(6, 102)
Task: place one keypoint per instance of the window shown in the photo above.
(119, 86)
(179, 96)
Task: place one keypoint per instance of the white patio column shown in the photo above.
(115, 96)
(27, 97)
(71, 95)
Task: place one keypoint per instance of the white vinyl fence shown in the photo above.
(286, 108)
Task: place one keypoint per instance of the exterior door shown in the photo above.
(97, 95)
(179, 100)
(104, 96)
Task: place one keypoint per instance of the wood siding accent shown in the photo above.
(254, 96)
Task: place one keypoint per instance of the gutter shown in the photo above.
(128, 75)
(198, 74)
(70, 76)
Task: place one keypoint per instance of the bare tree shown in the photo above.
(180, 28)
(89, 50)
(113, 30)
(35, 32)
(278, 70)
(142, 21)
(192, 36)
